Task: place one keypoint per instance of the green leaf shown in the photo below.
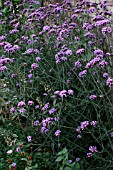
(67, 168)
(59, 153)
(4, 11)
(63, 151)
(77, 166)
(61, 168)
(14, 135)
(17, 1)
(24, 159)
(73, 164)
(35, 166)
(9, 166)
(54, 102)
(88, 57)
(59, 158)
(28, 168)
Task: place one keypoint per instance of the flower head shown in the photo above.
(21, 104)
(18, 149)
(13, 164)
(92, 97)
(70, 92)
(10, 151)
(77, 159)
(29, 138)
(82, 73)
(80, 51)
(93, 148)
(93, 123)
(51, 111)
(30, 103)
(84, 124)
(36, 123)
(34, 66)
(22, 110)
(111, 134)
(89, 155)
(57, 133)
(12, 110)
(109, 81)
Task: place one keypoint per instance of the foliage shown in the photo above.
(56, 86)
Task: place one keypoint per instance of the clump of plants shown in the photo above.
(56, 85)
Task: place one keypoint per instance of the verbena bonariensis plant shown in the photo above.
(56, 86)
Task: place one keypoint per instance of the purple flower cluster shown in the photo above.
(11, 49)
(66, 46)
(85, 124)
(4, 61)
(106, 30)
(82, 73)
(109, 81)
(21, 104)
(102, 23)
(46, 124)
(57, 133)
(29, 138)
(92, 97)
(77, 64)
(45, 107)
(64, 93)
(51, 111)
(93, 62)
(63, 54)
(13, 31)
(30, 51)
(93, 149)
(80, 51)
